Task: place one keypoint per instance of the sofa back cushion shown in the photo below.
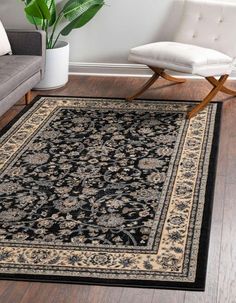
(5, 47)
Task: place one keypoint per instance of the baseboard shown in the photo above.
(109, 69)
(119, 69)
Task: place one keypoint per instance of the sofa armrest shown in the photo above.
(27, 42)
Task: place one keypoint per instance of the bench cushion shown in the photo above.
(14, 70)
(180, 57)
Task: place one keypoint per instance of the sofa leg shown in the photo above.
(27, 98)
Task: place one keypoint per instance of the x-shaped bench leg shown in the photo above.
(224, 89)
(158, 72)
(149, 83)
(218, 85)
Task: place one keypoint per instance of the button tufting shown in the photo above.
(194, 36)
(200, 18)
(221, 20)
(216, 39)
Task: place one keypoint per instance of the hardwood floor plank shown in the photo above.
(224, 140)
(227, 269)
(104, 294)
(210, 293)
(230, 169)
(137, 295)
(71, 293)
(4, 285)
(227, 276)
(167, 296)
(8, 116)
(14, 292)
(40, 293)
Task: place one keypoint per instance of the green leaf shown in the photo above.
(75, 8)
(71, 3)
(38, 9)
(39, 22)
(80, 12)
(27, 2)
(81, 20)
(52, 8)
(32, 20)
(35, 21)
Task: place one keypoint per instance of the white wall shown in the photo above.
(103, 44)
(120, 25)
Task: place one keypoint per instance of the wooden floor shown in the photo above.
(221, 275)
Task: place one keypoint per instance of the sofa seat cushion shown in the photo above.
(14, 70)
(180, 57)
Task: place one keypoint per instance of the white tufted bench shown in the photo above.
(204, 45)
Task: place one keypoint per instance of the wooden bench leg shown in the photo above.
(144, 87)
(158, 72)
(165, 76)
(209, 97)
(28, 98)
(223, 89)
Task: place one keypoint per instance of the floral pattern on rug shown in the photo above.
(89, 177)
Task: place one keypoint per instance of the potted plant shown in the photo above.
(47, 16)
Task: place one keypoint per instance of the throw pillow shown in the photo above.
(5, 47)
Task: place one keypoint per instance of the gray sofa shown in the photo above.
(22, 70)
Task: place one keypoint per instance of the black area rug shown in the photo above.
(104, 191)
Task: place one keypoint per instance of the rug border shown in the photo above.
(38, 97)
(200, 281)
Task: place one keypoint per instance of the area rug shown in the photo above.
(103, 191)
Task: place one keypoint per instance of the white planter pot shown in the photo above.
(56, 68)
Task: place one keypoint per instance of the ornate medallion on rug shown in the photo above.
(108, 192)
